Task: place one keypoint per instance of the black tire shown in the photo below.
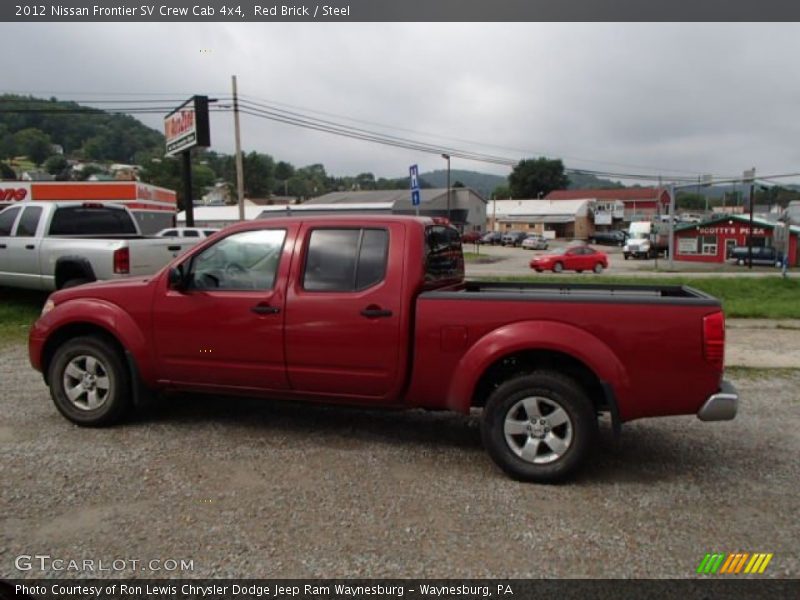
(110, 403)
(550, 389)
(558, 267)
(627, 256)
(598, 268)
(74, 282)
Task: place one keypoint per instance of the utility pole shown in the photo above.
(671, 241)
(447, 158)
(239, 169)
(751, 176)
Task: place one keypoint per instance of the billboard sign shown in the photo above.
(187, 126)
(14, 191)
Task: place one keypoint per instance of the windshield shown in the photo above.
(640, 235)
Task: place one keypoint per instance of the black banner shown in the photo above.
(393, 10)
(711, 588)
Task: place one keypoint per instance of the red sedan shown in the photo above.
(576, 258)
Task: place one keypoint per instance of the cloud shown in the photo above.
(690, 98)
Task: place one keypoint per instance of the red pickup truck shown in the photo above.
(376, 312)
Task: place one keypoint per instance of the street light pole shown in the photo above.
(447, 158)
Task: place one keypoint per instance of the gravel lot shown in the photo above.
(248, 488)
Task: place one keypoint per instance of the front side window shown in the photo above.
(345, 260)
(242, 261)
(190, 233)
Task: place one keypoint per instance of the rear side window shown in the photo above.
(345, 260)
(170, 233)
(29, 221)
(7, 218)
(443, 257)
(190, 233)
(91, 220)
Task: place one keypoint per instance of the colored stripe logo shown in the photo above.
(734, 564)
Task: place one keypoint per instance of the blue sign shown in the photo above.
(413, 172)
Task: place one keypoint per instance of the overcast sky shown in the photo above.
(655, 98)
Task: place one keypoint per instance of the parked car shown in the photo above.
(52, 245)
(492, 238)
(188, 232)
(471, 237)
(513, 238)
(615, 237)
(573, 258)
(257, 310)
(534, 241)
(762, 255)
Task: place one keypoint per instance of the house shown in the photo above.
(641, 203)
(711, 241)
(467, 208)
(554, 218)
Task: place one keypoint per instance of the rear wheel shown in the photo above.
(89, 383)
(558, 267)
(539, 427)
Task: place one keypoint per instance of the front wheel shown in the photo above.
(89, 383)
(539, 427)
(598, 268)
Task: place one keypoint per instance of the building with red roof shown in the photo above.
(641, 203)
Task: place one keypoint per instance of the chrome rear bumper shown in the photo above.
(721, 406)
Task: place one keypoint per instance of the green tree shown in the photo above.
(537, 177)
(34, 144)
(501, 192)
(458, 184)
(6, 172)
(259, 170)
(56, 164)
(690, 201)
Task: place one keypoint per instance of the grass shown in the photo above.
(474, 257)
(760, 374)
(742, 297)
(18, 310)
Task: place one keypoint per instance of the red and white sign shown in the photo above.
(187, 126)
(14, 191)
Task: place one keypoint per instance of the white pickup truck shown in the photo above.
(53, 245)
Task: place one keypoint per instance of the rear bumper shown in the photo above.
(721, 406)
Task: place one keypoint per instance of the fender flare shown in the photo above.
(109, 317)
(530, 336)
(79, 261)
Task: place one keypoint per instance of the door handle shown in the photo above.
(375, 312)
(30, 247)
(173, 248)
(265, 309)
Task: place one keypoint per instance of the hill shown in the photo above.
(483, 183)
(30, 126)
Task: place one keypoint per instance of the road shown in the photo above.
(248, 488)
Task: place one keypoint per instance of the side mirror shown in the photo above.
(176, 279)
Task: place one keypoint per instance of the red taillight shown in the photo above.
(122, 261)
(714, 338)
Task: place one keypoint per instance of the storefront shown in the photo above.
(154, 207)
(712, 241)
